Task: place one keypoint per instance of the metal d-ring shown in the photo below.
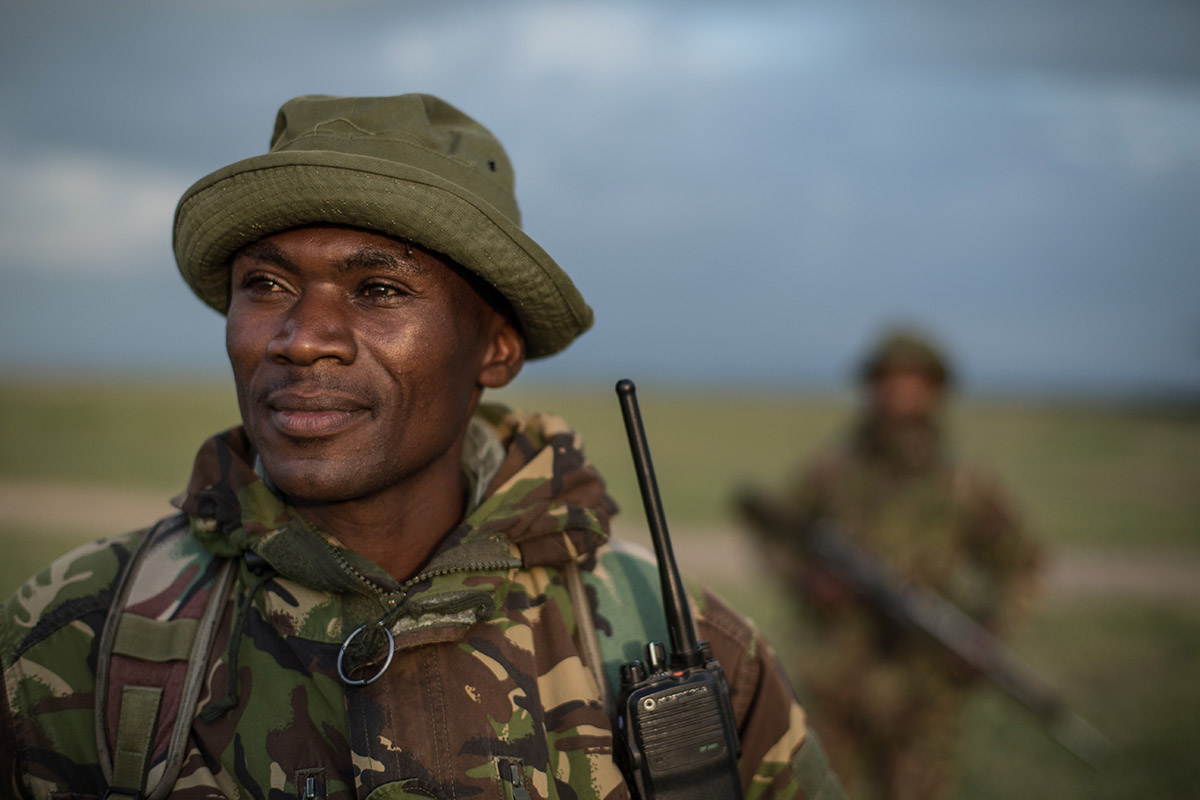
(346, 679)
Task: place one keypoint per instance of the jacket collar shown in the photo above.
(535, 500)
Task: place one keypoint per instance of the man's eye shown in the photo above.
(260, 283)
(381, 291)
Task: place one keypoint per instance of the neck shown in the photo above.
(399, 528)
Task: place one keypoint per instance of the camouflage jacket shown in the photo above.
(490, 693)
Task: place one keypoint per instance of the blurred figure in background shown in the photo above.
(886, 700)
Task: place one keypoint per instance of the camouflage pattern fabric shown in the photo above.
(887, 701)
(488, 695)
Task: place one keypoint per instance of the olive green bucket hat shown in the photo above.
(410, 166)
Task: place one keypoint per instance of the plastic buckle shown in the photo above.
(121, 793)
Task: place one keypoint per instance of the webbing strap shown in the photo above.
(155, 640)
(589, 641)
(194, 680)
(107, 637)
(629, 597)
(135, 736)
(126, 761)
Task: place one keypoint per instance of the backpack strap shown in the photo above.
(151, 662)
(629, 609)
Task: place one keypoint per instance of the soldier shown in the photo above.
(887, 701)
(378, 584)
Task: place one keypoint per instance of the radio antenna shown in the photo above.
(685, 651)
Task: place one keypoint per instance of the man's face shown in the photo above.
(358, 359)
(905, 394)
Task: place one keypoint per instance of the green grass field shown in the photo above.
(1121, 480)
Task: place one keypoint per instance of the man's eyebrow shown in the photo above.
(368, 258)
(364, 258)
(266, 252)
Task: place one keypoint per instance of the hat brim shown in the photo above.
(259, 196)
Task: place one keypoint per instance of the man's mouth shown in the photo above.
(306, 416)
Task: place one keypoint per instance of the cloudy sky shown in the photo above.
(744, 192)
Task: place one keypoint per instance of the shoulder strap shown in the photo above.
(629, 607)
(150, 668)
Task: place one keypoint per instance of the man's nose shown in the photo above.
(316, 327)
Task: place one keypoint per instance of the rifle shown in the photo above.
(676, 737)
(918, 608)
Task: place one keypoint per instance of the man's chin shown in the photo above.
(311, 484)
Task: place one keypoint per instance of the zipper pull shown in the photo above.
(313, 789)
(510, 773)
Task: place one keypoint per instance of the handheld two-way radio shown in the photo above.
(675, 735)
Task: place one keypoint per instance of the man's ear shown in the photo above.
(504, 356)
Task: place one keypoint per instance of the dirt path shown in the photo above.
(81, 512)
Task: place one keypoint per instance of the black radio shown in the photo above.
(675, 735)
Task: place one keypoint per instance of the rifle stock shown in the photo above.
(918, 608)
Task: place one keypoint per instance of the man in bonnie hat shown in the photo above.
(377, 585)
(885, 700)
